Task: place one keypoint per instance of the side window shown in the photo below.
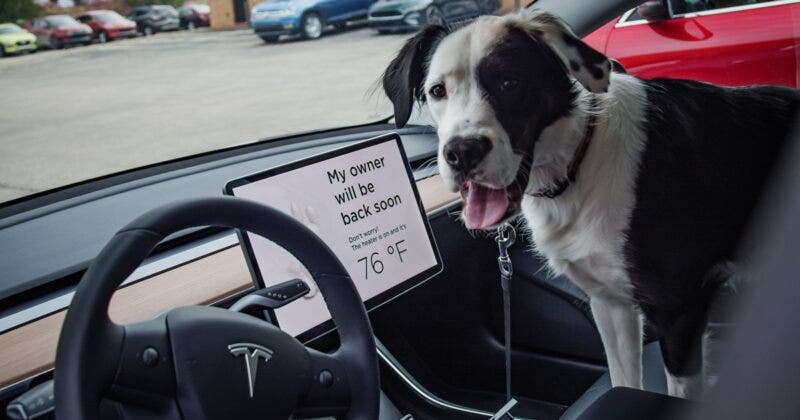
(681, 7)
(692, 6)
(634, 16)
(85, 18)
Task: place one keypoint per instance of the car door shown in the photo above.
(729, 43)
(361, 8)
(338, 10)
(331, 10)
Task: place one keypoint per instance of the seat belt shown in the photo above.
(506, 235)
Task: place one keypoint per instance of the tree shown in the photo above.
(14, 10)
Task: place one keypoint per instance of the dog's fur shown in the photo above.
(672, 174)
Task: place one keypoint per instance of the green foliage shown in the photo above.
(15, 10)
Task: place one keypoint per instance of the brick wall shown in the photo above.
(222, 16)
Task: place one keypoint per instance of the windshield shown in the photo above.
(9, 29)
(165, 10)
(179, 87)
(78, 113)
(62, 21)
(108, 17)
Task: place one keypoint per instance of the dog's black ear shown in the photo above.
(587, 65)
(405, 75)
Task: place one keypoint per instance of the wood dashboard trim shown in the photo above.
(30, 349)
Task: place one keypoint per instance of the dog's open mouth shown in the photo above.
(485, 207)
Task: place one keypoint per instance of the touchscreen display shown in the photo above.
(363, 203)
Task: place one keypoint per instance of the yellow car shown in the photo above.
(14, 39)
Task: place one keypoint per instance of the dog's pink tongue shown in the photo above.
(484, 207)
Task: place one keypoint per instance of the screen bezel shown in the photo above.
(377, 300)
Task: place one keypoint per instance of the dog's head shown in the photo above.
(492, 87)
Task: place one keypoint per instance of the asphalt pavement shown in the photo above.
(74, 114)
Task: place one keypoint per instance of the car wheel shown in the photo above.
(434, 16)
(2, 51)
(102, 37)
(311, 26)
(270, 38)
(191, 25)
(148, 30)
(54, 44)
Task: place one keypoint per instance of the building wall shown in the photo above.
(222, 16)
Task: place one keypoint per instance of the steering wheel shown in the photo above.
(198, 362)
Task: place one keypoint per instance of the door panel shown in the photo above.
(732, 47)
(563, 321)
(331, 9)
(448, 331)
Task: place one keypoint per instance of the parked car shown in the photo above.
(731, 43)
(194, 16)
(274, 18)
(108, 25)
(157, 18)
(59, 31)
(409, 15)
(14, 40)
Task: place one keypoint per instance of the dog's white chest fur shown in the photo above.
(582, 232)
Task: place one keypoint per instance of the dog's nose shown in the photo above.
(464, 154)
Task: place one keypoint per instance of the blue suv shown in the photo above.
(274, 18)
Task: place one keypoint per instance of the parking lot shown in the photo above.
(74, 114)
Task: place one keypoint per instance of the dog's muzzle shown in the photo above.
(464, 154)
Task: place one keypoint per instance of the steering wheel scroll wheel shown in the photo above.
(197, 362)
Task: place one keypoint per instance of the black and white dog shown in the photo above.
(637, 190)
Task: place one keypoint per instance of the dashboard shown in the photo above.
(56, 241)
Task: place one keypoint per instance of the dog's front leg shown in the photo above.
(620, 327)
(621, 331)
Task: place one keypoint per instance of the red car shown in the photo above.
(726, 42)
(59, 31)
(194, 15)
(108, 25)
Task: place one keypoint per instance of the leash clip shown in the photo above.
(506, 235)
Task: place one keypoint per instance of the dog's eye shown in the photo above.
(509, 85)
(438, 91)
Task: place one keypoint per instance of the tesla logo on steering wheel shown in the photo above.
(251, 353)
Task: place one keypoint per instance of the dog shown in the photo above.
(639, 191)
